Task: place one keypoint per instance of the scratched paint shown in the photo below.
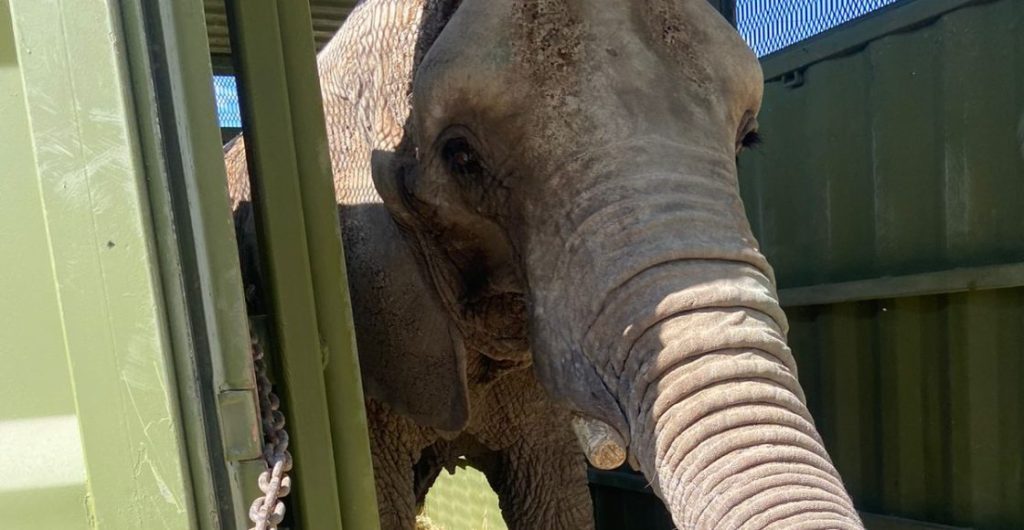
(94, 202)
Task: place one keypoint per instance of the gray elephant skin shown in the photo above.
(541, 220)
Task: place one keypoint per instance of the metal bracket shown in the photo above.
(793, 79)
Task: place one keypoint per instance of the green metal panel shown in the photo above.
(902, 15)
(902, 157)
(349, 429)
(170, 68)
(42, 457)
(909, 159)
(102, 274)
(327, 16)
(920, 404)
(171, 77)
(298, 232)
(129, 273)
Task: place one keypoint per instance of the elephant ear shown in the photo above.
(408, 356)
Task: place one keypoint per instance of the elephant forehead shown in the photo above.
(552, 72)
(552, 36)
(548, 41)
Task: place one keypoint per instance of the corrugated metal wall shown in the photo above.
(900, 158)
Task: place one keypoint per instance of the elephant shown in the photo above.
(541, 220)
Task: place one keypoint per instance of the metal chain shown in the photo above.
(267, 511)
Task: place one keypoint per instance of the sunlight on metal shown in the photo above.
(43, 452)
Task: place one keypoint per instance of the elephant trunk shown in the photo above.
(677, 339)
(716, 415)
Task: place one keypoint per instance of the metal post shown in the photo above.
(169, 60)
(330, 284)
(274, 168)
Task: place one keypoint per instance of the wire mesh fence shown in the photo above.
(225, 89)
(771, 25)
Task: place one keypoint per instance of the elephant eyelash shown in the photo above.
(752, 140)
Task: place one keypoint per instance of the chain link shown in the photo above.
(267, 511)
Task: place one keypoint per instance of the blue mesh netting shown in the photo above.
(770, 25)
(226, 92)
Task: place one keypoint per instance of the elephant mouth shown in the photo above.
(488, 303)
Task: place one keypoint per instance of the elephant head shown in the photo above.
(567, 176)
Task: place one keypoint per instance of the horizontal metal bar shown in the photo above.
(222, 64)
(924, 284)
(856, 34)
(635, 482)
(623, 480)
(886, 522)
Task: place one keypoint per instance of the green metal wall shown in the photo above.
(900, 158)
(90, 430)
(35, 383)
(897, 158)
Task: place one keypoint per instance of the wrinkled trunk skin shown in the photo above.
(720, 423)
(688, 339)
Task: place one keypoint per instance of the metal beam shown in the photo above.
(169, 61)
(349, 429)
(855, 34)
(727, 8)
(925, 284)
(635, 482)
(275, 170)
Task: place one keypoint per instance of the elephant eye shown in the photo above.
(461, 158)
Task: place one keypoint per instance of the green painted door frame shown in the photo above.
(90, 178)
(128, 382)
(299, 234)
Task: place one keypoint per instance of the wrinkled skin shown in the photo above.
(559, 187)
